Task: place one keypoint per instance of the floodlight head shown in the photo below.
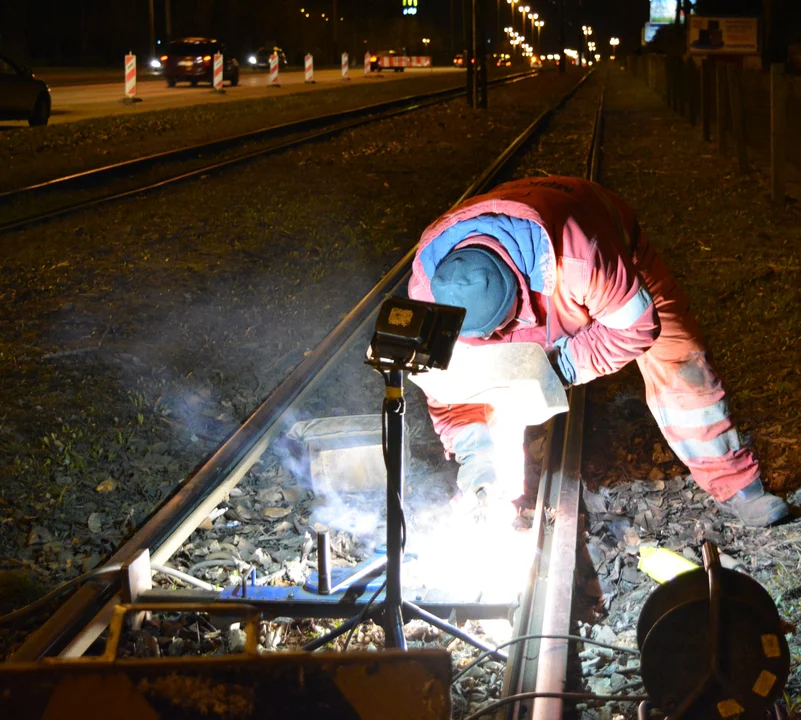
(414, 336)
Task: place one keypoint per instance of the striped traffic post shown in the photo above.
(274, 70)
(130, 79)
(309, 65)
(218, 73)
(345, 66)
(366, 63)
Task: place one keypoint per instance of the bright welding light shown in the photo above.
(252, 60)
(486, 558)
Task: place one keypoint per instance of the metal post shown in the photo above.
(474, 51)
(706, 99)
(151, 17)
(562, 58)
(323, 563)
(722, 107)
(168, 19)
(692, 92)
(467, 14)
(737, 117)
(394, 409)
(778, 130)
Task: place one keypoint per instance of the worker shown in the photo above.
(561, 262)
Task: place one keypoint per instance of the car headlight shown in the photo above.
(252, 59)
(154, 63)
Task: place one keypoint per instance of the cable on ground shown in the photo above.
(513, 641)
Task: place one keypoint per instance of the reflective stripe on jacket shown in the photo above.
(569, 243)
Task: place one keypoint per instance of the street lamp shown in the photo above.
(614, 42)
(512, 3)
(539, 24)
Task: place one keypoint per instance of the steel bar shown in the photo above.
(136, 164)
(413, 610)
(541, 665)
(521, 671)
(323, 563)
(76, 624)
(552, 669)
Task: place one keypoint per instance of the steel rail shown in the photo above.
(81, 619)
(332, 123)
(260, 134)
(540, 666)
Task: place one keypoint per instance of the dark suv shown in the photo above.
(192, 60)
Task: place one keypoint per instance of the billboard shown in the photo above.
(663, 11)
(649, 31)
(723, 35)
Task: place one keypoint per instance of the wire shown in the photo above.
(521, 638)
(360, 617)
(563, 696)
(44, 600)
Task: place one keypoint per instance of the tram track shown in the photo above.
(141, 175)
(80, 620)
(72, 629)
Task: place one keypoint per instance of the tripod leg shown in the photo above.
(335, 633)
(413, 611)
(393, 627)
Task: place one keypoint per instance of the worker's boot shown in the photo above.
(754, 506)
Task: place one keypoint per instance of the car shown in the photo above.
(261, 58)
(458, 60)
(375, 60)
(22, 96)
(192, 60)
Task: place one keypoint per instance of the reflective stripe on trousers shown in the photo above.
(684, 391)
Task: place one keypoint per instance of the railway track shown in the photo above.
(30, 205)
(535, 679)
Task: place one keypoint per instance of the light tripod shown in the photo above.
(410, 336)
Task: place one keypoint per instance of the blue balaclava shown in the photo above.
(478, 280)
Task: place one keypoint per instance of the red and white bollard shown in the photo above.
(274, 70)
(309, 65)
(217, 78)
(130, 79)
(367, 63)
(345, 66)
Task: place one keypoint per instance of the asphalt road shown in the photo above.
(91, 99)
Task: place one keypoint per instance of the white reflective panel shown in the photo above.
(695, 418)
(627, 315)
(692, 449)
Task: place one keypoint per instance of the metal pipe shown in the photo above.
(323, 563)
(394, 409)
(413, 610)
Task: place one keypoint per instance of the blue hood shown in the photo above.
(524, 240)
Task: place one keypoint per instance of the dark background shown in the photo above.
(100, 32)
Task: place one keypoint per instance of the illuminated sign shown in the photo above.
(663, 11)
(649, 31)
(409, 7)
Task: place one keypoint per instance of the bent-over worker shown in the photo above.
(561, 262)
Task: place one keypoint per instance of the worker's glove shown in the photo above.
(474, 451)
(562, 363)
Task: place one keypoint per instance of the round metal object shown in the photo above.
(676, 638)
